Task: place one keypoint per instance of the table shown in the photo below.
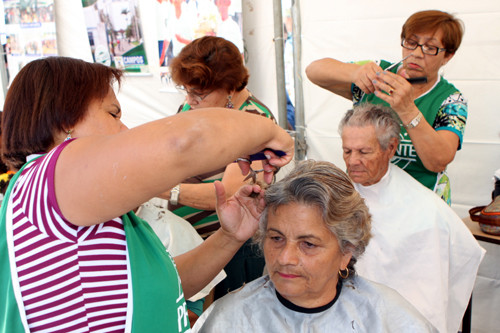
(482, 236)
(478, 233)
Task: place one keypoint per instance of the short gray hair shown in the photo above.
(385, 121)
(328, 188)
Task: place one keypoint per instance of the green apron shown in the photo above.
(158, 299)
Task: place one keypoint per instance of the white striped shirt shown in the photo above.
(71, 279)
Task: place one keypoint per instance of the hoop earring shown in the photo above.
(345, 275)
(229, 104)
(69, 135)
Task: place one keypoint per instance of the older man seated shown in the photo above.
(420, 247)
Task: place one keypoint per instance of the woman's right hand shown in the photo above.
(273, 162)
(365, 74)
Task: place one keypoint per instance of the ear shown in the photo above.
(447, 57)
(393, 145)
(346, 258)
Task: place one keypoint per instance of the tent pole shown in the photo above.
(300, 136)
(279, 46)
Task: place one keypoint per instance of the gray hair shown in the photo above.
(329, 189)
(385, 121)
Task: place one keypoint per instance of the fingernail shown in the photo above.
(268, 157)
(378, 73)
(374, 81)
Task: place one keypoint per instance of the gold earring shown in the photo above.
(344, 275)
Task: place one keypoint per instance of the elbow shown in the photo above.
(312, 71)
(439, 165)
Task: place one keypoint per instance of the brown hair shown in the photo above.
(48, 96)
(209, 63)
(431, 21)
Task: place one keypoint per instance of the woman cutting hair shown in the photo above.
(73, 257)
(433, 112)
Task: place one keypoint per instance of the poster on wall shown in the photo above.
(181, 21)
(28, 33)
(115, 35)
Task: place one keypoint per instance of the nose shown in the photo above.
(353, 159)
(191, 100)
(288, 255)
(418, 52)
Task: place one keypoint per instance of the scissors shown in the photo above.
(258, 157)
(412, 80)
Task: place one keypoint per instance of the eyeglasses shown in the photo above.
(197, 97)
(411, 44)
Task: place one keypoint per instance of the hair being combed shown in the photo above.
(385, 121)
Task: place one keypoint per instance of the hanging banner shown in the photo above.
(115, 36)
(28, 33)
(181, 21)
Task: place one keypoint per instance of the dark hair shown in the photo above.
(209, 63)
(431, 21)
(323, 185)
(48, 96)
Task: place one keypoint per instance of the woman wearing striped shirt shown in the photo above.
(73, 258)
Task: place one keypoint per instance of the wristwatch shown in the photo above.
(174, 194)
(414, 122)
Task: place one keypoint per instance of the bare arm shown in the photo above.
(202, 195)
(101, 177)
(337, 76)
(239, 216)
(436, 149)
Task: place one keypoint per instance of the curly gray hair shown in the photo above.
(327, 187)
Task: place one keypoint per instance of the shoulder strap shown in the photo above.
(10, 315)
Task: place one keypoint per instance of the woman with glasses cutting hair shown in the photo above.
(211, 73)
(433, 112)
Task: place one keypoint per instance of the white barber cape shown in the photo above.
(420, 248)
(177, 235)
(361, 306)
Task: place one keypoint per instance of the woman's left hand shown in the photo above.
(398, 93)
(240, 214)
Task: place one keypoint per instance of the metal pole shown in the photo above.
(300, 127)
(279, 47)
(3, 73)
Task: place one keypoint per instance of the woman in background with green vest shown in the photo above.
(211, 73)
(432, 111)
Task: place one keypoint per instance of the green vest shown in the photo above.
(429, 104)
(158, 299)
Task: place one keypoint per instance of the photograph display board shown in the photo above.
(115, 35)
(28, 33)
(181, 21)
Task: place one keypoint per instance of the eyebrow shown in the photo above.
(307, 236)
(427, 40)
